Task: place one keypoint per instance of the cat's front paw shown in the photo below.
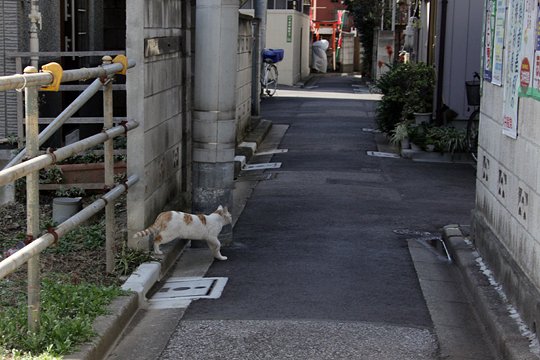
(221, 257)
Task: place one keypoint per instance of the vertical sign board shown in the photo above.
(498, 43)
(530, 58)
(527, 58)
(536, 77)
(489, 22)
(511, 80)
(289, 28)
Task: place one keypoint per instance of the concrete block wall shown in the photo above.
(159, 92)
(243, 79)
(295, 65)
(506, 218)
(9, 30)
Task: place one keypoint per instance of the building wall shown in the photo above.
(506, 222)
(346, 55)
(462, 53)
(327, 10)
(9, 29)
(295, 65)
(159, 98)
(243, 79)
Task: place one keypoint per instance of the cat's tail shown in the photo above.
(155, 228)
(146, 232)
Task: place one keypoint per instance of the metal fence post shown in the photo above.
(32, 200)
(109, 168)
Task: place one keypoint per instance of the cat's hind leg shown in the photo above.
(157, 242)
(215, 245)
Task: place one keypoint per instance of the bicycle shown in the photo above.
(473, 100)
(269, 75)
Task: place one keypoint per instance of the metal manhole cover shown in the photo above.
(191, 288)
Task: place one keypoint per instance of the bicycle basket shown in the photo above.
(473, 92)
(273, 55)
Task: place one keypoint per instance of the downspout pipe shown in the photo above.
(35, 22)
(259, 29)
(440, 69)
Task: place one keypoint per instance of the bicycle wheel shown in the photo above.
(271, 80)
(472, 133)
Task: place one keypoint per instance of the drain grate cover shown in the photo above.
(191, 288)
(264, 166)
(383, 154)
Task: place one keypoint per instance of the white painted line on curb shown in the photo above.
(383, 154)
(142, 280)
(262, 166)
(241, 159)
(271, 152)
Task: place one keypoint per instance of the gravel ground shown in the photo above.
(290, 339)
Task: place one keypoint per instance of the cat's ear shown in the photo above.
(226, 209)
(220, 207)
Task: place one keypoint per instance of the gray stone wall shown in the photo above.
(159, 40)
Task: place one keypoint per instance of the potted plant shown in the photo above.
(393, 86)
(400, 134)
(417, 136)
(419, 95)
(448, 139)
(85, 170)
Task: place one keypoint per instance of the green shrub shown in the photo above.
(406, 88)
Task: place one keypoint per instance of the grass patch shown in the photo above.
(66, 317)
(75, 286)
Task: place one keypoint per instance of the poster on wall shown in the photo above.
(498, 43)
(528, 48)
(536, 77)
(491, 6)
(534, 50)
(511, 79)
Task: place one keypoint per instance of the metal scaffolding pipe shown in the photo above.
(57, 123)
(109, 170)
(39, 162)
(12, 263)
(32, 201)
(18, 81)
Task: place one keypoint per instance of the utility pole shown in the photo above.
(259, 22)
(214, 106)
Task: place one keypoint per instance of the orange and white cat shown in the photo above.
(170, 225)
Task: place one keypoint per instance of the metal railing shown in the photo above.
(19, 56)
(49, 79)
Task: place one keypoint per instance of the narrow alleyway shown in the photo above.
(317, 270)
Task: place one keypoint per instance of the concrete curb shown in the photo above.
(502, 330)
(245, 150)
(109, 327)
